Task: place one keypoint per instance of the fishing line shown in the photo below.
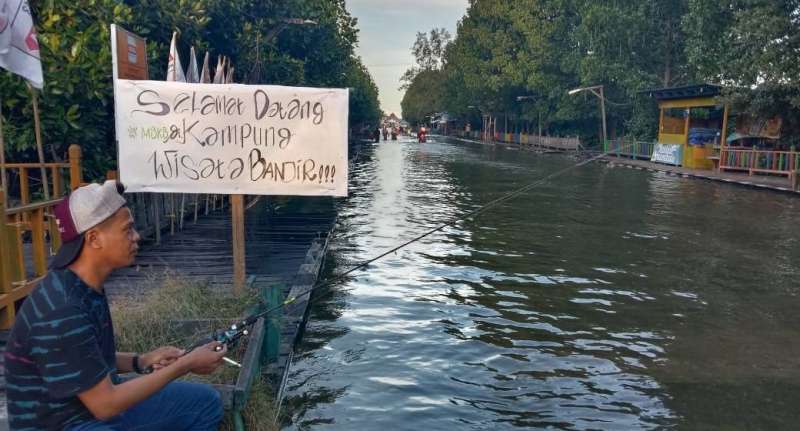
(240, 329)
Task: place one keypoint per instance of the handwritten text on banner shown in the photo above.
(232, 139)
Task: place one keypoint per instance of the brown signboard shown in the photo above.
(760, 127)
(131, 56)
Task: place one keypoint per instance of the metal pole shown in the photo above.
(39, 148)
(603, 109)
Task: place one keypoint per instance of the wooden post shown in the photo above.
(7, 310)
(55, 172)
(270, 352)
(24, 188)
(18, 231)
(3, 182)
(686, 125)
(5, 247)
(183, 202)
(237, 239)
(172, 214)
(75, 173)
(38, 245)
(603, 110)
(157, 216)
(724, 135)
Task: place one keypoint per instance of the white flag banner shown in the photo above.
(19, 48)
(174, 68)
(192, 74)
(232, 138)
(219, 73)
(205, 74)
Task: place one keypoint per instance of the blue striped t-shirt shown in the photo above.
(62, 344)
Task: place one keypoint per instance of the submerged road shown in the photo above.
(607, 299)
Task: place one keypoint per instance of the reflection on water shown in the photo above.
(607, 299)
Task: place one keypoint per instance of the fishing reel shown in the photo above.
(228, 338)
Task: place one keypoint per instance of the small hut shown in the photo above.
(692, 125)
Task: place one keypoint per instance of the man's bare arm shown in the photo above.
(106, 400)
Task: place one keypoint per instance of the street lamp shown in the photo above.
(539, 111)
(597, 90)
(485, 123)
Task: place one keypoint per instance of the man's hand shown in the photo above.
(160, 357)
(204, 359)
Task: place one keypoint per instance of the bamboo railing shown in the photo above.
(29, 234)
(29, 229)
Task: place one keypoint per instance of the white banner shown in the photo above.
(671, 154)
(19, 48)
(231, 138)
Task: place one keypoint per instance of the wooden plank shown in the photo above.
(24, 187)
(31, 207)
(6, 263)
(37, 239)
(251, 365)
(17, 240)
(75, 173)
(8, 301)
(238, 242)
(36, 165)
(55, 173)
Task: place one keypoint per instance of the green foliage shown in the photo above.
(425, 81)
(752, 46)
(424, 96)
(541, 49)
(76, 104)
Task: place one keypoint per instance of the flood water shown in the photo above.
(607, 299)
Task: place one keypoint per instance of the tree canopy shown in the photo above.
(540, 49)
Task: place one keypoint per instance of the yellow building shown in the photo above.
(691, 123)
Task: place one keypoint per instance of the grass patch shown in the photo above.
(179, 313)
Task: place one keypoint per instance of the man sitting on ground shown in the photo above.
(61, 361)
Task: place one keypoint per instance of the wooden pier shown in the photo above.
(286, 241)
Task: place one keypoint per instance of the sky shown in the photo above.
(388, 29)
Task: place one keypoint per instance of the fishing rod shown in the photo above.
(236, 331)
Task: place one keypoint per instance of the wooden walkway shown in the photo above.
(764, 182)
(277, 240)
(286, 241)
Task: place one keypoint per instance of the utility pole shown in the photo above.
(598, 91)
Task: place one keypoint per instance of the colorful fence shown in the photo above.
(759, 161)
(629, 148)
(544, 142)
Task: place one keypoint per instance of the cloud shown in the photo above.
(388, 28)
(407, 6)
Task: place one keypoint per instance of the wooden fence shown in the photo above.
(29, 234)
(28, 231)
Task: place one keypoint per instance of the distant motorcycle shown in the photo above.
(422, 135)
